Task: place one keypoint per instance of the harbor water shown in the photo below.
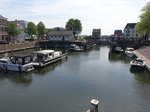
(69, 85)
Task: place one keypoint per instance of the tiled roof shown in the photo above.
(116, 31)
(96, 30)
(1, 17)
(130, 25)
(62, 33)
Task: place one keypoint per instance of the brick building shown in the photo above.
(3, 33)
(118, 33)
(96, 33)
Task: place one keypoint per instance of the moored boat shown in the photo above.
(118, 49)
(129, 52)
(45, 57)
(74, 47)
(137, 64)
(21, 63)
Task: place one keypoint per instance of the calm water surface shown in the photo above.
(68, 86)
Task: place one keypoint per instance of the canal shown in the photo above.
(69, 85)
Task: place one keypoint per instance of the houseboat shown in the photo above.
(46, 57)
(21, 63)
(137, 64)
(129, 52)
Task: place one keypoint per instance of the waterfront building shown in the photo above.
(96, 33)
(21, 25)
(104, 39)
(118, 33)
(60, 34)
(3, 33)
(130, 30)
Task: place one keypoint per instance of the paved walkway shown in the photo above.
(144, 53)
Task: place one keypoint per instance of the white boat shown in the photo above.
(118, 49)
(129, 52)
(21, 63)
(74, 47)
(45, 57)
(137, 63)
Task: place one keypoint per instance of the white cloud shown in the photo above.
(108, 15)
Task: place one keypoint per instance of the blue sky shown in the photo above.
(105, 14)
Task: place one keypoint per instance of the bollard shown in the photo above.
(94, 106)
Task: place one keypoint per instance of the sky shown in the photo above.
(108, 15)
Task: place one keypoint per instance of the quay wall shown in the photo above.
(61, 44)
(17, 46)
(144, 53)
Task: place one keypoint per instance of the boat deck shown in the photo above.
(144, 53)
(37, 64)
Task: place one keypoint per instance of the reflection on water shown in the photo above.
(120, 57)
(69, 85)
(51, 67)
(15, 77)
(142, 76)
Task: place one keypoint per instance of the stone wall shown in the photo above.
(16, 46)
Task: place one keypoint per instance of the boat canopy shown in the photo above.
(21, 59)
(44, 52)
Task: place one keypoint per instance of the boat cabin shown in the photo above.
(43, 55)
(138, 61)
(21, 59)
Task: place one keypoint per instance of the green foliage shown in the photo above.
(74, 25)
(12, 29)
(143, 27)
(31, 29)
(41, 29)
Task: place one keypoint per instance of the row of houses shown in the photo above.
(129, 31)
(4, 37)
(59, 33)
(54, 34)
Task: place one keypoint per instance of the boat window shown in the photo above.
(39, 57)
(27, 60)
(13, 60)
(19, 61)
(3, 61)
(50, 54)
(45, 56)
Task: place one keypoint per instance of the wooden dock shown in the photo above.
(144, 53)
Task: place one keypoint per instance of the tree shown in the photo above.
(143, 27)
(74, 25)
(31, 29)
(12, 29)
(41, 29)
